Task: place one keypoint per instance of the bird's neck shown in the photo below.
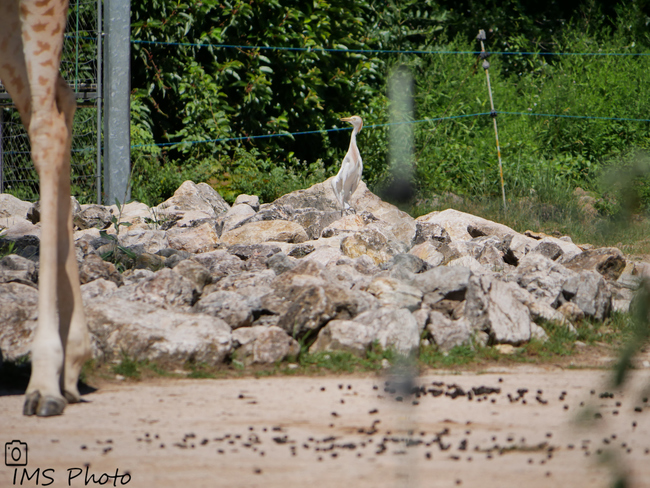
(353, 139)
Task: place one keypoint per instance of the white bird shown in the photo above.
(348, 177)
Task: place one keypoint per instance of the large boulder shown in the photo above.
(263, 345)
(190, 197)
(589, 291)
(144, 331)
(542, 277)
(491, 307)
(265, 231)
(390, 328)
(229, 306)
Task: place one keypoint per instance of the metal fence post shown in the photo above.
(100, 94)
(117, 88)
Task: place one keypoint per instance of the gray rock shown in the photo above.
(144, 331)
(395, 328)
(98, 288)
(263, 345)
(165, 289)
(608, 261)
(542, 277)
(447, 333)
(237, 214)
(93, 216)
(229, 306)
(314, 221)
(95, 267)
(280, 263)
(409, 262)
(251, 200)
(372, 242)
(549, 250)
(395, 293)
(195, 272)
(435, 232)
(18, 318)
(153, 262)
(10, 206)
(344, 335)
(589, 291)
(444, 282)
(492, 307)
(14, 268)
(220, 263)
(151, 241)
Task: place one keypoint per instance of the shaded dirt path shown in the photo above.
(318, 431)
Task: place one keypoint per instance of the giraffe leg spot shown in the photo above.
(43, 406)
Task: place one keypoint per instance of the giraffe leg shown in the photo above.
(60, 321)
(73, 330)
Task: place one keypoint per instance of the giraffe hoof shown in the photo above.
(43, 406)
(71, 397)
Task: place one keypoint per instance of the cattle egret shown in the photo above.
(346, 181)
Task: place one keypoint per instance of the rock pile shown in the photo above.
(196, 279)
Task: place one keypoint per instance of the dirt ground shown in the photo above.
(342, 431)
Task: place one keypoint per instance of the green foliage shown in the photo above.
(127, 367)
(194, 94)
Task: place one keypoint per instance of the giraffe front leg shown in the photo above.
(49, 138)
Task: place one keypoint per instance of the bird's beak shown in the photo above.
(347, 119)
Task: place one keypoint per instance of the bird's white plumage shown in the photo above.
(347, 179)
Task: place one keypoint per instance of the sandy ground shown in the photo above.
(341, 431)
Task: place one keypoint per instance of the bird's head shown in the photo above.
(355, 120)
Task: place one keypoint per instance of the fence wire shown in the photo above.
(79, 68)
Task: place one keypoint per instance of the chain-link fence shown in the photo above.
(80, 67)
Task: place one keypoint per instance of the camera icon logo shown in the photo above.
(16, 453)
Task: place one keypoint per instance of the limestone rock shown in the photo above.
(93, 216)
(542, 277)
(371, 242)
(429, 253)
(608, 261)
(195, 272)
(252, 201)
(233, 217)
(229, 306)
(443, 282)
(18, 316)
(95, 267)
(265, 231)
(264, 345)
(344, 335)
(492, 307)
(144, 331)
(589, 291)
(10, 206)
(199, 239)
(426, 231)
(447, 333)
(165, 289)
(395, 293)
(14, 268)
(395, 328)
(98, 288)
(144, 240)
